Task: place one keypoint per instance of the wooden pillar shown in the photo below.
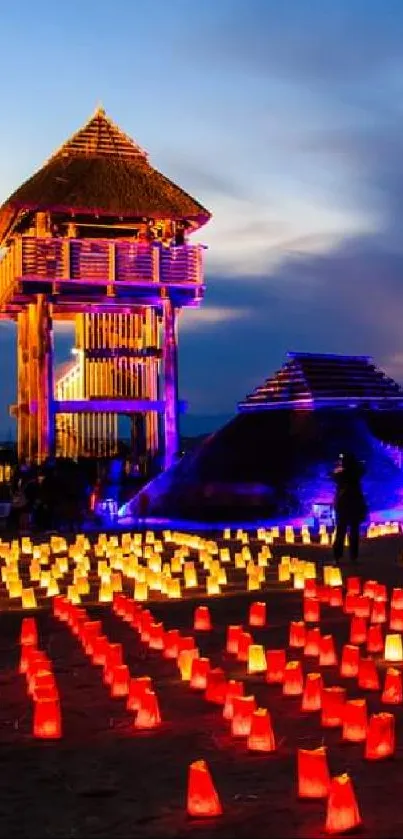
(46, 431)
(23, 361)
(170, 363)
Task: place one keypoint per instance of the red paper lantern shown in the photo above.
(186, 643)
(312, 696)
(396, 601)
(202, 619)
(47, 720)
(243, 708)
(396, 618)
(353, 585)
(27, 654)
(261, 737)
(100, 649)
(369, 588)
(393, 690)
(146, 620)
(29, 632)
(358, 630)
(363, 607)
(202, 797)
(89, 631)
(148, 714)
(380, 592)
(312, 642)
(310, 590)
(350, 601)
(297, 634)
(171, 643)
(216, 689)
(244, 642)
(333, 700)
(355, 721)
(233, 635)
(311, 610)
(200, 670)
(257, 614)
(276, 661)
(349, 661)
(137, 688)
(233, 689)
(114, 657)
(293, 682)
(120, 680)
(327, 653)
(378, 614)
(375, 639)
(156, 636)
(368, 678)
(380, 737)
(324, 593)
(313, 773)
(336, 597)
(342, 808)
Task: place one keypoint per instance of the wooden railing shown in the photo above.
(99, 260)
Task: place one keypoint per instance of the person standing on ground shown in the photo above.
(350, 507)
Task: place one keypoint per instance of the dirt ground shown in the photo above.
(105, 779)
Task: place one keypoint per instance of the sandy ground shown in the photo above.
(105, 779)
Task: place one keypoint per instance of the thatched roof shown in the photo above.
(100, 170)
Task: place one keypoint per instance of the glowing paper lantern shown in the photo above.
(350, 661)
(148, 715)
(378, 614)
(393, 690)
(256, 659)
(216, 690)
(185, 663)
(275, 666)
(368, 678)
(28, 598)
(47, 720)
(120, 680)
(327, 653)
(380, 737)
(297, 634)
(244, 642)
(171, 643)
(233, 635)
(293, 682)
(200, 669)
(375, 638)
(342, 808)
(312, 642)
(393, 648)
(202, 619)
(156, 639)
(243, 708)
(358, 630)
(29, 632)
(336, 597)
(257, 614)
(234, 688)
(311, 610)
(396, 601)
(313, 773)
(202, 797)
(396, 618)
(137, 688)
(333, 700)
(354, 585)
(363, 607)
(310, 592)
(355, 721)
(312, 696)
(100, 650)
(140, 590)
(261, 737)
(380, 592)
(369, 588)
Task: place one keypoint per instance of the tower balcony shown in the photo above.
(74, 272)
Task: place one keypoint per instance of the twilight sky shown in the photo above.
(284, 117)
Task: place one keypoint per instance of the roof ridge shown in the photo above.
(100, 136)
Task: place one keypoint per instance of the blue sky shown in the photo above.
(284, 118)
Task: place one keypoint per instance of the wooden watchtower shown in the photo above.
(100, 238)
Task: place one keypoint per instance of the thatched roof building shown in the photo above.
(100, 171)
(273, 460)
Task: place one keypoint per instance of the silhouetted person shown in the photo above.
(349, 505)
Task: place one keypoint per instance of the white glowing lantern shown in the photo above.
(393, 647)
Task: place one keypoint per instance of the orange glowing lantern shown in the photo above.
(378, 614)
(29, 632)
(311, 610)
(358, 630)
(349, 661)
(137, 688)
(393, 690)
(156, 639)
(355, 721)
(368, 678)
(148, 714)
(185, 663)
(297, 634)
(293, 682)
(47, 720)
(120, 680)
(261, 737)
(233, 689)
(275, 666)
(380, 592)
(375, 638)
(393, 648)
(333, 700)
(243, 709)
(200, 670)
(171, 643)
(312, 642)
(342, 808)
(202, 797)
(396, 601)
(327, 653)
(313, 773)
(256, 659)
(244, 642)
(380, 737)
(233, 635)
(202, 619)
(216, 689)
(312, 696)
(396, 619)
(257, 614)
